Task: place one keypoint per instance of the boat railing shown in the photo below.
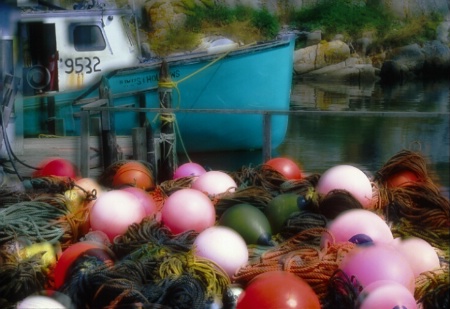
(266, 124)
(106, 110)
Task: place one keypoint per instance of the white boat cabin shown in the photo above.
(61, 50)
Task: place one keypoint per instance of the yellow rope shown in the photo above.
(48, 136)
(174, 84)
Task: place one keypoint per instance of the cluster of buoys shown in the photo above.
(269, 236)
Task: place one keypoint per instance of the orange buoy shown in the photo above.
(134, 174)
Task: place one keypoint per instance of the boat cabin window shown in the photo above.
(88, 38)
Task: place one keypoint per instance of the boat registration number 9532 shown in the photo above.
(81, 64)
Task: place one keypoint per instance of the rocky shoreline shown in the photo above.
(338, 61)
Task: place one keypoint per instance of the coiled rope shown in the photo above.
(37, 221)
(302, 256)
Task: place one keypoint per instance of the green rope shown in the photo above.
(38, 221)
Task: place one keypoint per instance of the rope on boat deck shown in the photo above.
(174, 84)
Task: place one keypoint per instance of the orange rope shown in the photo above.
(297, 255)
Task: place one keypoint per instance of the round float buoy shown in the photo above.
(286, 167)
(189, 169)
(349, 178)
(224, 246)
(188, 209)
(57, 167)
(114, 211)
(250, 222)
(278, 289)
(134, 174)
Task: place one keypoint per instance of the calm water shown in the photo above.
(369, 124)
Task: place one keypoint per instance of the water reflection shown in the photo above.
(370, 123)
(369, 139)
(412, 96)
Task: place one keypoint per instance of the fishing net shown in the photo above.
(301, 255)
(33, 188)
(154, 268)
(8, 197)
(261, 176)
(149, 275)
(404, 160)
(305, 186)
(342, 292)
(152, 233)
(38, 221)
(417, 208)
(336, 202)
(255, 196)
(299, 222)
(420, 204)
(433, 289)
(20, 277)
(49, 184)
(170, 186)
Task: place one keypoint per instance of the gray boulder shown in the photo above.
(320, 55)
(402, 63)
(413, 61)
(437, 59)
(351, 70)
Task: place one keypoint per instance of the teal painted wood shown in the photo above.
(253, 78)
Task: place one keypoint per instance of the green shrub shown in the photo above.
(201, 18)
(413, 30)
(354, 18)
(267, 24)
(341, 16)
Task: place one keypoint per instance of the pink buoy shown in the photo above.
(359, 221)
(386, 294)
(186, 210)
(420, 254)
(378, 262)
(224, 246)
(214, 182)
(145, 199)
(114, 211)
(349, 178)
(189, 169)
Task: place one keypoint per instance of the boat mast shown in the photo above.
(138, 39)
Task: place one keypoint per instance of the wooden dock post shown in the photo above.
(109, 143)
(139, 143)
(151, 152)
(84, 144)
(267, 137)
(168, 160)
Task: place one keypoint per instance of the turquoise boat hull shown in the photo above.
(256, 78)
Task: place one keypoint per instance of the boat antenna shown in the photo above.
(138, 39)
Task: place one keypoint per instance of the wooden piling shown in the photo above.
(139, 143)
(84, 162)
(109, 144)
(267, 137)
(150, 147)
(168, 159)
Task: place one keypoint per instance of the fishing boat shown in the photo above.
(63, 55)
